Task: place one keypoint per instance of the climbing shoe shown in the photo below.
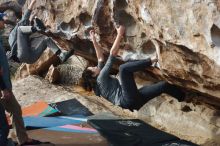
(39, 24)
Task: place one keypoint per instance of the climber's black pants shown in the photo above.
(134, 98)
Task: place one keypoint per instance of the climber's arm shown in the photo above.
(31, 6)
(115, 48)
(98, 49)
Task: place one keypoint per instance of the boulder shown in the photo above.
(186, 33)
(196, 122)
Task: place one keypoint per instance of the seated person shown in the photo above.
(27, 43)
(125, 94)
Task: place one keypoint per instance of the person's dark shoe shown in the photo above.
(181, 99)
(39, 25)
(182, 96)
(34, 142)
(66, 55)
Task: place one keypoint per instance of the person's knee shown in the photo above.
(18, 108)
(16, 112)
(165, 85)
(47, 39)
(20, 29)
(25, 29)
(123, 68)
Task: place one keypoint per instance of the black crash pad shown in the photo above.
(71, 107)
(134, 132)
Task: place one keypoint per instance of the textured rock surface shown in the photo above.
(187, 33)
(195, 122)
(68, 73)
(38, 68)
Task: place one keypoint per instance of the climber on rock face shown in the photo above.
(125, 94)
(28, 43)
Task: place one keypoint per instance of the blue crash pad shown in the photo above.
(34, 122)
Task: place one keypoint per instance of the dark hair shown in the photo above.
(88, 82)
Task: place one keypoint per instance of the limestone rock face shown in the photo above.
(198, 123)
(68, 73)
(187, 34)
